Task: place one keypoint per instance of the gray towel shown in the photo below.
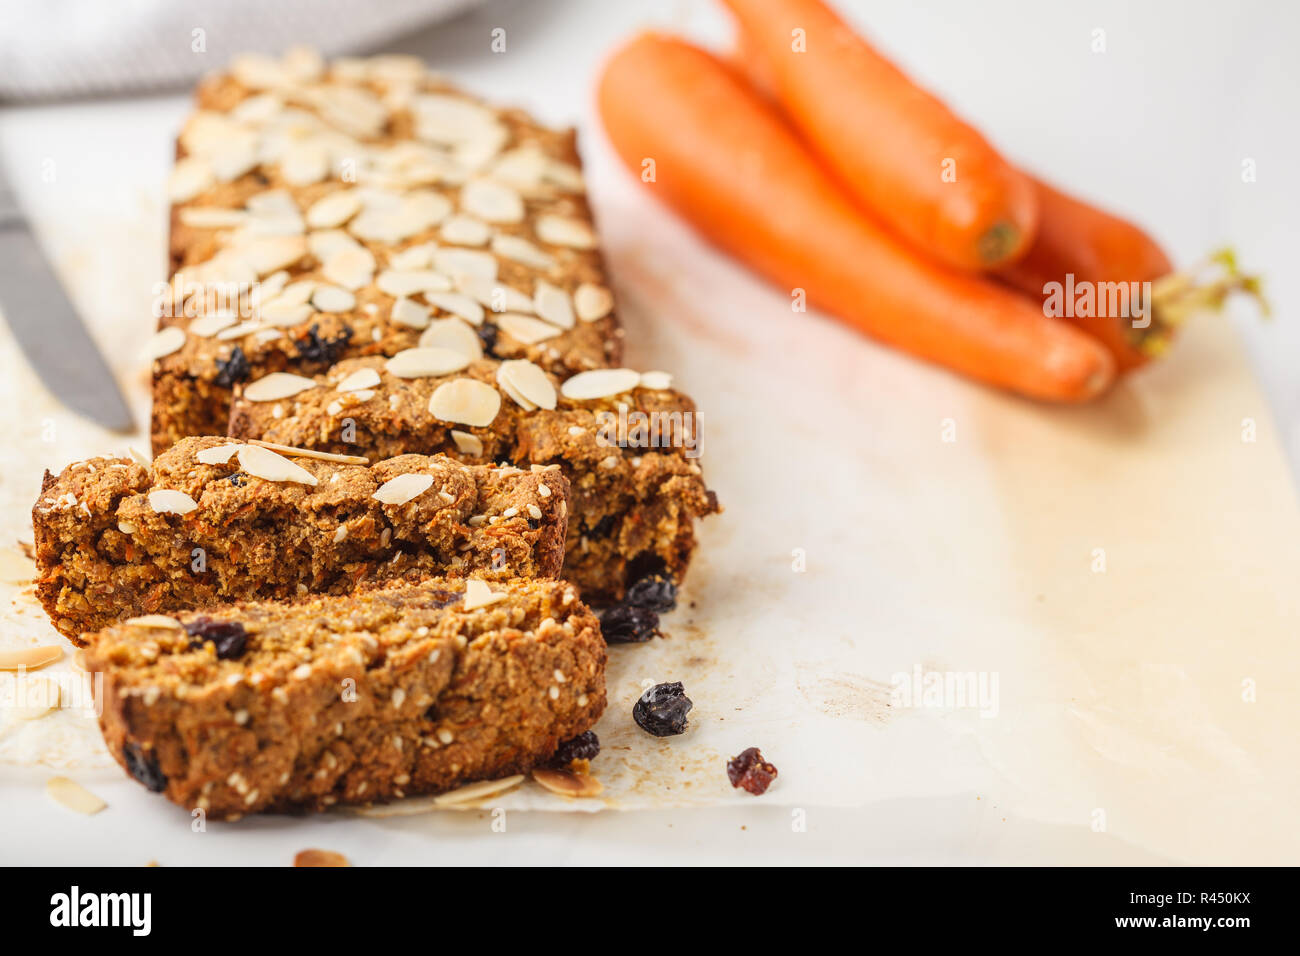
(59, 48)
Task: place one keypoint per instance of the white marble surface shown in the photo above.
(1157, 126)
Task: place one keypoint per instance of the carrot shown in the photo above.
(710, 148)
(900, 151)
(1082, 247)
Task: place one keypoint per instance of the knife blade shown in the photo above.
(47, 327)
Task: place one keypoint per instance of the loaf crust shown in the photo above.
(633, 508)
(355, 699)
(104, 552)
(270, 139)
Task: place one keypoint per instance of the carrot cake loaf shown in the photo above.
(214, 520)
(322, 211)
(391, 692)
(627, 442)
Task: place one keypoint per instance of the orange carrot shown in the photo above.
(1081, 247)
(900, 151)
(710, 148)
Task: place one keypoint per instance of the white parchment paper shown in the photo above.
(1121, 577)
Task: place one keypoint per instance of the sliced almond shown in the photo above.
(414, 257)
(513, 393)
(491, 201)
(16, 568)
(189, 177)
(206, 326)
(362, 378)
(563, 231)
(163, 621)
(472, 793)
(457, 304)
(659, 381)
(410, 313)
(212, 217)
(277, 386)
(164, 342)
(466, 443)
(403, 488)
(465, 230)
(330, 298)
(315, 857)
(529, 381)
(405, 282)
(166, 501)
(297, 293)
(453, 334)
(521, 250)
(478, 594)
(567, 783)
(465, 262)
(465, 402)
(310, 453)
(351, 267)
(525, 328)
(333, 210)
(592, 302)
(239, 331)
(36, 696)
(426, 362)
(553, 304)
(324, 244)
(266, 254)
(261, 462)
(600, 383)
(30, 658)
(304, 163)
(73, 795)
(494, 295)
(217, 454)
(234, 158)
(282, 314)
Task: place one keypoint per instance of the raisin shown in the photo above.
(585, 746)
(749, 771)
(144, 767)
(234, 369)
(228, 637)
(653, 593)
(237, 479)
(487, 333)
(601, 528)
(624, 624)
(662, 709)
(313, 348)
(647, 564)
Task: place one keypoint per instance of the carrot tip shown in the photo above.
(998, 243)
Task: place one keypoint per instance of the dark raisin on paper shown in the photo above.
(234, 369)
(654, 593)
(662, 710)
(312, 348)
(228, 637)
(749, 771)
(585, 746)
(144, 767)
(623, 624)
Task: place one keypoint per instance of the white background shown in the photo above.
(1157, 126)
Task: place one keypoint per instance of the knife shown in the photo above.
(46, 325)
